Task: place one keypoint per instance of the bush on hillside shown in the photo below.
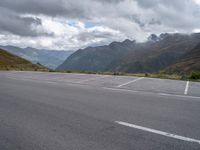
(195, 75)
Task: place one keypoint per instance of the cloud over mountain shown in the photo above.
(73, 24)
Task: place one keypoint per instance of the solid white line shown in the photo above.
(145, 92)
(159, 132)
(186, 88)
(82, 81)
(114, 89)
(130, 82)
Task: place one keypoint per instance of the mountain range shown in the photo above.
(48, 58)
(188, 62)
(164, 52)
(9, 61)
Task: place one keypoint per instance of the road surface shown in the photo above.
(55, 111)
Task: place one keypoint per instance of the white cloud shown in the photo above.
(197, 1)
(196, 30)
(74, 24)
(65, 36)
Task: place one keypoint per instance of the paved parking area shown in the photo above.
(163, 86)
(110, 81)
(121, 112)
(194, 89)
(158, 86)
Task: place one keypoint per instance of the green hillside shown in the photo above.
(11, 62)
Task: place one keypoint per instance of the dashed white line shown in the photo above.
(186, 88)
(130, 82)
(159, 132)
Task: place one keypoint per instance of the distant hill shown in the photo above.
(158, 53)
(9, 61)
(188, 63)
(48, 58)
(97, 58)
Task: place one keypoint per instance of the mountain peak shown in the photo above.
(153, 38)
(127, 56)
(127, 41)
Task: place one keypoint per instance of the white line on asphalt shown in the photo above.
(162, 94)
(82, 81)
(113, 89)
(130, 82)
(186, 88)
(159, 132)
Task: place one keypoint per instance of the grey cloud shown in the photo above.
(89, 9)
(69, 8)
(178, 14)
(110, 1)
(155, 3)
(135, 19)
(49, 7)
(19, 25)
(87, 36)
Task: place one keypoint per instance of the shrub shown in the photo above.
(116, 73)
(195, 75)
(146, 75)
(51, 70)
(69, 71)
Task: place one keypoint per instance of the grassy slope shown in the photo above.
(11, 62)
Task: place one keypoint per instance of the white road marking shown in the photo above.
(162, 94)
(159, 132)
(186, 88)
(82, 81)
(130, 82)
(193, 98)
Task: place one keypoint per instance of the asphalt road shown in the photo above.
(55, 111)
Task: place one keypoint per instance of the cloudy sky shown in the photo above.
(74, 24)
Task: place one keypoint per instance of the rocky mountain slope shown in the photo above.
(156, 54)
(97, 58)
(188, 63)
